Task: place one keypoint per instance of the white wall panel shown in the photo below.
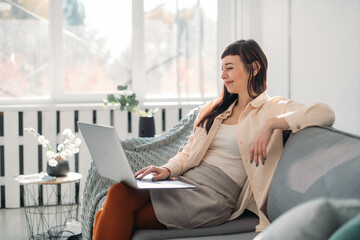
(11, 141)
(134, 125)
(275, 44)
(103, 116)
(186, 110)
(30, 119)
(313, 49)
(325, 57)
(171, 117)
(121, 123)
(158, 122)
(84, 154)
(67, 120)
(49, 131)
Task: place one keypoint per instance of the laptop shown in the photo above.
(110, 159)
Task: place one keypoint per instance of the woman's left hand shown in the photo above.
(258, 149)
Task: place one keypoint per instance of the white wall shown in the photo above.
(313, 48)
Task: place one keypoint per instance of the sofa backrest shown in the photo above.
(316, 162)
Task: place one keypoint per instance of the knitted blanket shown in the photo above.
(141, 152)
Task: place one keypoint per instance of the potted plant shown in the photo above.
(128, 102)
(57, 165)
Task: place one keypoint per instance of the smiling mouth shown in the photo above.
(228, 82)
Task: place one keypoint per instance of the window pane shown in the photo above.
(180, 48)
(97, 44)
(24, 49)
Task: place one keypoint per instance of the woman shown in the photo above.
(231, 156)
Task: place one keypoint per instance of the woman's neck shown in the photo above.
(242, 102)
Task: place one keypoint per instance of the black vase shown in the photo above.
(60, 170)
(146, 127)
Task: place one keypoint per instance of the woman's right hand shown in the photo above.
(160, 173)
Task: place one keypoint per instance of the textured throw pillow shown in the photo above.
(314, 220)
(348, 231)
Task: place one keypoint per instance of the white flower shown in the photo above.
(66, 131)
(67, 148)
(76, 150)
(60, 147)
(53, 162)
(46, 144)
(50, 154)
(31, 131)
(66, 141)
(41, 139)
(77, 142)
(71, 136)
(72, 147)
(63, 155)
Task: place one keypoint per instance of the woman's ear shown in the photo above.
(256, 67)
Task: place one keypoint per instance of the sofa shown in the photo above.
(315, 190)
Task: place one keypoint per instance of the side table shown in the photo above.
(49, 205)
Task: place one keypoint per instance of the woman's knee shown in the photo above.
(121, 194)
(116, 190)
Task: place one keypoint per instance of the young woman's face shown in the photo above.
(234, 74)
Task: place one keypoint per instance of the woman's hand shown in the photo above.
(159, 173)
(258, 149)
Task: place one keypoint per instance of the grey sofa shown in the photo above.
(317, 162)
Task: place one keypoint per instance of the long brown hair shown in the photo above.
(249, 52)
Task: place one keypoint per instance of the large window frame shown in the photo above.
(231, 16)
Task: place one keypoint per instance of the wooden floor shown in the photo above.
(13, 225)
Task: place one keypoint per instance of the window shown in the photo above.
(66, 50)
(97, 45)
(180, 52)
(24, 49)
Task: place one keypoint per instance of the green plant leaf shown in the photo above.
(127, 102)
(132, 101)
(131, 98)
(111, 98)
(122, 100)
(129, 108)
(122, 87)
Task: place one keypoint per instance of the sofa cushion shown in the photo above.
(240, 236)
(316, 162)
(244, 223)
(349, 231)
(314, 220)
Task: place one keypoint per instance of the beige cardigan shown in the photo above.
(255, 191)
